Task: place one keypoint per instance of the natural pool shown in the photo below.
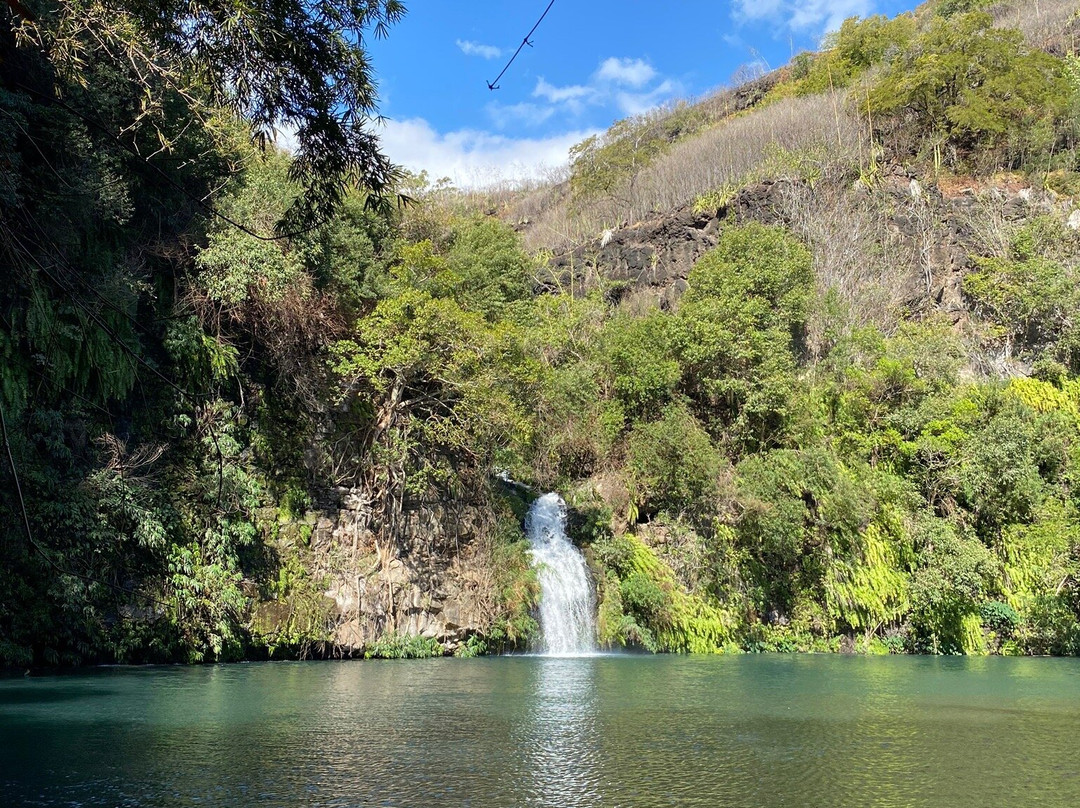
(754, 731)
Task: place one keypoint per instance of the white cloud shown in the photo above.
(622, 84)
(632, 72)
(558, 95)
(471, 157)
(816, 16)
(285, 137)
(529, 114)
(476, 49)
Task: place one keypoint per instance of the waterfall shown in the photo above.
(567, 604)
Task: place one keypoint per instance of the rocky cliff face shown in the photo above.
(928, 235)
(433, 580)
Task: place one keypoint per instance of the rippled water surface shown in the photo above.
(608, 731)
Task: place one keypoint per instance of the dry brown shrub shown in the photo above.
(557, 228)
(1048, 24)
(989, 226)
(135, 466)
(524, 203)
(860, 260)
(285, 331)
(501, 195)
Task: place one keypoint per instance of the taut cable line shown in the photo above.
(494, 85)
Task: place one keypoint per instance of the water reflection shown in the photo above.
(562, 743)
(559, 733)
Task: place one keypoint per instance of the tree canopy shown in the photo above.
(298, 68)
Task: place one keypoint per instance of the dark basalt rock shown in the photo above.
(652, 259)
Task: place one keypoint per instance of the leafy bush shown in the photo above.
(955, 573)
(738, 328)
(999, 477)
(646, 601)
(488, 268)
(474, 646)
(1032, 293)
(639, 356)
(516, 587)
(1052, 626)
(799, 510)
(642, 603)
(295, 503)
(848, 53)
(999, 617)
(872, 589)
(673, 465)
(401, 646)
(970, 92)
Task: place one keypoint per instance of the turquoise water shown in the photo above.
(754, 731)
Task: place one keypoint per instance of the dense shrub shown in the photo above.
(673, 465)
(955, 574)
(1031, 294)
(972, 94)
(640, 356)
(739, 328)
(849, 52)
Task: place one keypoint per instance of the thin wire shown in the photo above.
(494, 85)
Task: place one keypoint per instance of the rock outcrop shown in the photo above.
(927, 230)
(433, 580)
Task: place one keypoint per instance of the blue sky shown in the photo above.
(592, 62)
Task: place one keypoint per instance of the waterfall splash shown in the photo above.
(567, 604)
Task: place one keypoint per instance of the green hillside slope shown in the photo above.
(804, 357)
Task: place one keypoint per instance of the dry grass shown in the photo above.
(729, 154)
(860, 260)
(991, 229)
(1048, 24)
(736, 148)
(817, 133)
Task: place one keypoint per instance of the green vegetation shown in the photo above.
(397, 646)
(942, 87)
(1030, 294)
(517, 590)
(974, 93)
(181, 387)
(848, 53)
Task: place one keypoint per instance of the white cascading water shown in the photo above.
(567, 603)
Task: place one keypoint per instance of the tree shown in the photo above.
(739, 326)
(850, 52)
(970, 86)
(672, 463)
(126, 145)
(278, 65)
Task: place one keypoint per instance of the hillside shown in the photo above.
(803, 356)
